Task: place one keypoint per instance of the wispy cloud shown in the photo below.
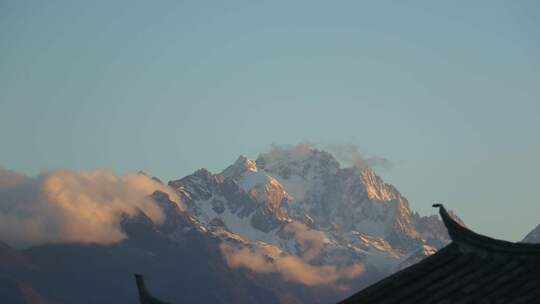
(350, 155)
(309, 241)
(290, 152)
(268, 259)
(346, 154)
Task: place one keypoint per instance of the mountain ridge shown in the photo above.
(350, 213)
(288, 227)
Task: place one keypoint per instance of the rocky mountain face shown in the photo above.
(306, 206)
(287, 227)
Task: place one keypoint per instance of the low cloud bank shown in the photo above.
(268, 259)
(73, 206)
(309, 241)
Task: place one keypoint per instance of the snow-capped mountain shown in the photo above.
(289, 227)
(342, 200)
(348, 215)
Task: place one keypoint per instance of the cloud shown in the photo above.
(289, 153)
(310, 242)
(268, 259)
(346, 154)
(73, 206)
(265, 258)
(350, 154)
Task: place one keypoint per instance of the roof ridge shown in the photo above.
(470, 241)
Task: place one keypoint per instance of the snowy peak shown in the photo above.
(241, 165)
(348, 199)
(306, 162)
(263, 187)
(315, 167)
(302, 202)
(376, 188)
(303, 170)
(258, 184)
(241, 199)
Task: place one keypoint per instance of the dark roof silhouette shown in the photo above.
(144, 295)
(473, 268)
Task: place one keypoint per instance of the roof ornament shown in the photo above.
(455, 230)
(145, 297)
(470, 241)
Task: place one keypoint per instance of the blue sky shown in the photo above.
(449, 92)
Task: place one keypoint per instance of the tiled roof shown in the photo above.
(472, 269)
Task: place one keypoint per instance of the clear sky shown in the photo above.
(449, 92)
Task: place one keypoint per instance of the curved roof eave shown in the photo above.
(470, 241)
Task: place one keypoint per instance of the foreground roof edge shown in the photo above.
(145, 297)
(473, 268)
(470, 241)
